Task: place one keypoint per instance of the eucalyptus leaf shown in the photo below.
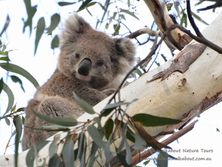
(95, 134)
(150, 120)
(55, 161)
(17, 80)
(33, 151)
(7, 121)
(68, 153)
(30, 10)
(19, 70)
(81, 145)
(39, 31)
(199, 18)
(20, 109)
(55, 42)
(107, 151)
(10, 95)
(55, 128)
(129, 13)
(4, 55)
(1, 85)
(93, 156)
(4, 58)
(97, 138)
(108, 127)
(130, 135)
(116, 28)
(110, 107)
(52, 149)
(162, 159)
(18, 126)
(183, 20)
(55, 19)
(85, 4)
(7, 22)
(139, 144)
(63, 121)
(65, 3)
(128, 153)
(84, 105)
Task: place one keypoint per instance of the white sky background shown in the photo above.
(42, 65)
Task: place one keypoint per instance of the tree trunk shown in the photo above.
(174, 96)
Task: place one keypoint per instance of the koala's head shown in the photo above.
(92, 56)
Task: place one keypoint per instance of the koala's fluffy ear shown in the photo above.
(125, 53)
(74, 26)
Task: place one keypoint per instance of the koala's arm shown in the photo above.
(93, 96)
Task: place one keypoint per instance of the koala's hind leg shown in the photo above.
(53, 106)
(57, 106)
(109, 91)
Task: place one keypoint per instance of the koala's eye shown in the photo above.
(77, 55)
(100, 63)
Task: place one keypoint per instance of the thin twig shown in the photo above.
(135, 67)
(202, 40)
(192, 22)
(145, 30)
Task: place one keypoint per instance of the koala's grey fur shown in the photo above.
(91, 65)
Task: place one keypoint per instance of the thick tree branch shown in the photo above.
(161, 16)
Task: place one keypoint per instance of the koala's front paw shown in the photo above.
(109, 91)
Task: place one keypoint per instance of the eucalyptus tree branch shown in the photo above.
(145, 30)
(162, 18)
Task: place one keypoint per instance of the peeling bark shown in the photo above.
(182, 61)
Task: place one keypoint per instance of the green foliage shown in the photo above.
(18, 127)
(129, 13)
(17, 80)
(9, 67)
(85, 106)
(68, 152)
(19, 70)
(117, 126)
(31, 10)
(110, 107)
(108, 128)
(85, 4)
(10, 95)
(63, 121)
(39, 32)
(150, 120)
(183, 20)
(1, 84)
(65, 3)
(55, 42)
(55, 19)
(162, 159)
(33, 153)
(5, 27)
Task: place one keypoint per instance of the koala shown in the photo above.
(91, 64)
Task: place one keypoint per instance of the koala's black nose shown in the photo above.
(84, 67)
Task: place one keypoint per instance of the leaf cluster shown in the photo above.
(120, 130)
